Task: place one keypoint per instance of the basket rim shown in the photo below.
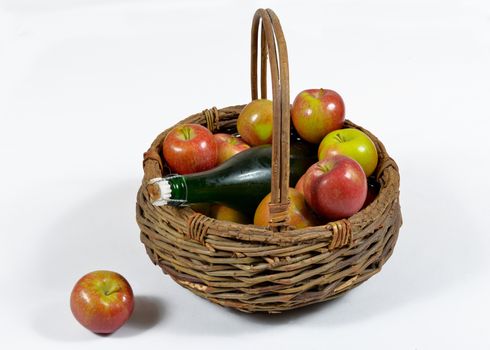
(387, 175)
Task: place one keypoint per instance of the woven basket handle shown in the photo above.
(273, 42)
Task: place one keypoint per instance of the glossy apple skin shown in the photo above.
(190, 148)
(102, 301)
(224, 213)
(228, 146)
(316, 112)
(300, 215)
(299, 185)
(336, 187)
(254, 124)
(352, 143)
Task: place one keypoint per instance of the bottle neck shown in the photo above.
(178, 187)
(240, 182)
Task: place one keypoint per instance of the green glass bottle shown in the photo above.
(240, 183)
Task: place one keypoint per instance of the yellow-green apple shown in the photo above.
(300, 215)
(254, 124)
(316, 112)
(228, 146)
(222, 212)
(190, 148)
(335, 187)
(352, 143)
(102, 301)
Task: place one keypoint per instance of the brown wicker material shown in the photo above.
(257, 269)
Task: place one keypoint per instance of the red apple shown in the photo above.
(316, 112)
(222, 212)
(299, 185)
(190, 148)
(300, 215)
(352, 143)
(335, 187)
(254, 124)
(102, 301)
(228, 146)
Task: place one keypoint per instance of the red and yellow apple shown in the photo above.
(228, 146)
(300, 215)
(352, 143)
(190, 148)
(316, 112)
(254, 124)
(222, 212)
(299, 185)
(336, 187)
(102, 301)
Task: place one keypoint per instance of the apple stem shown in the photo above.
(325, 167)
(114, 288)
(339, 138)
(187, 133)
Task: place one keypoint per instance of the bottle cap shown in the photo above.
(159, 191)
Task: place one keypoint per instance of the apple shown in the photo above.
(335, 187)
(254, 124)
(190, 148)
(228, 146)
(316, 112)
(299, 185)
(300, 215)
(352, 143)
(102, 301)
(222, 212)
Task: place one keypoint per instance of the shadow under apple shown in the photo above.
(148, 312)
(54, 320)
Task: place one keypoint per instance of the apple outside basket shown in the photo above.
(278, 268)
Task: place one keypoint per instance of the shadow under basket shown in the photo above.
(259, 269)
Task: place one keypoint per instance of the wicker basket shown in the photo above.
(256, 269)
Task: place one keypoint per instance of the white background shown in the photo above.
(86, 85)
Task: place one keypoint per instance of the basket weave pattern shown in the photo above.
(276, 268)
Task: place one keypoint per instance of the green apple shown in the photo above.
(352, 143)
